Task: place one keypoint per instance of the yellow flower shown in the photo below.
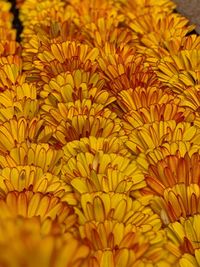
(151, 136)
(7, 34)
(11, 72)
(15, 132)
(99, 135)
(177, 201)
(30, 242)
(39, 155)
(188, 260)
(177, 148)
(144, 97)
(156, 113)
(78, 85)
(181, 70)
(45, 205)
(173, 170)
(160, 35)
(184, 236)
(33, 11)
(88, 172)
(105, 27)
(62, 57)
(190, 98)
(117, 238)
(94, 145)
(6, 18)
(149, 6)
(8, 48)
(19, 103)
(98, 207)
(73, 121)
(124, 69)
(34, 179)
(5, 6)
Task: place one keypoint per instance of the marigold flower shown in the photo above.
(159, 36)
(73, 121)
(6, 19)
(144, 6)
(35, 11)
(33, 178)
(29, 204)
(184, 236)
(15, 132)
(78, 85)
(177, 148)
(191, 98)
(101, 230)
(7, 34)
(99, 135)
(94, 145)
(156, 134)
(179, 201)
(9, 48)
(173, 170)
(10, 72)
(34, 243)
(38, 155)
(125, 72)
(5, 6)
(144, 97)
(19, 102)
(162, 112)
(102, 172)
(181, 70)
(105, 28)
(63, 57)
(119, 207)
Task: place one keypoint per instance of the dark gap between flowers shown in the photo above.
(16, 21)
(193, 31)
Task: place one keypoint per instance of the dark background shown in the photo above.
(191, 10)
(16, 22)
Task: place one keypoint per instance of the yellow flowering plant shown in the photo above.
(99, 135)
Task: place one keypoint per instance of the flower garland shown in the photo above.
(99, 135)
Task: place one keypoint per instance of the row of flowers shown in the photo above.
(99, 135)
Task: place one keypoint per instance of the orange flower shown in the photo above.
(89, 172)
(151, 136)
(15, 132)
(94, 145)
(20, 102)
(156, 113)
(45, 205)
(56, 58)
(184, 236)
(34, 243)
(10, 72)
(8, 48)
(181, 70)
(124, 69)
(111, 234)
(173, 170)
(78, 85)
(73, 121)
(177, 202)
(34, 179)
(38, 155)
(143, 97)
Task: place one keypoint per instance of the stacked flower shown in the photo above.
(99, 135)
(37, 222)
